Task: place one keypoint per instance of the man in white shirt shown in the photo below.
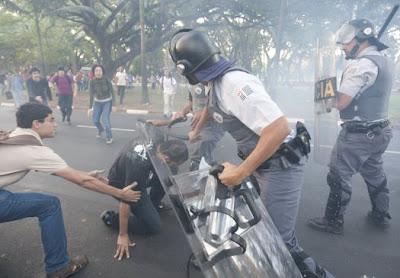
(168, 84)
(121, 79)
(24, 151)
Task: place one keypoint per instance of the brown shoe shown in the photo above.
(76, 264)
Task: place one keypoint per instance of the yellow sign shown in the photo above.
(325, 89)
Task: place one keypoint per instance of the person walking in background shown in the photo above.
(66, 91)
(17, 88)
(102, 101)
(121, 80)
(38, 88)
(168, 84)
(79, 81)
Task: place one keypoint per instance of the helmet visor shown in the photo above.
(345, 34)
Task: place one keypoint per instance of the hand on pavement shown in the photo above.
(123, 245)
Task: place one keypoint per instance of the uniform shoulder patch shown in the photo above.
(351, 70)
(244, 92)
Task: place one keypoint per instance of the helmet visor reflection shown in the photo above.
(345, 34)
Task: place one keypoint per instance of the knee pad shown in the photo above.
(334, 181)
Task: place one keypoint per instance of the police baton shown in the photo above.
(388, 19)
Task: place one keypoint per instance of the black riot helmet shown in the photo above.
(192, 51)
(361, 30)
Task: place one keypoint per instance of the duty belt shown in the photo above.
(289, 153)
(365, 127)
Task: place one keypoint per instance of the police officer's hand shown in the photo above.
(158, 122)
(230, 176)
(193, 136)
(128, 194)
(39, 99)
(179, 115)
(123, 245)
(195, 120)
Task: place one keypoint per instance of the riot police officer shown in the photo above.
(270, 150)
(211, 132)
(363, 101)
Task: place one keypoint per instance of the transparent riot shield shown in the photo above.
(326, 128)
(228, 229)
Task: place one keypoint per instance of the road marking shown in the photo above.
(118, 129)
(295, 120)
(331, 147)
(7, 104)
(138, 112)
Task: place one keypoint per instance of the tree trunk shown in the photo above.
(42, 62)
(278, 47)
(145, 93)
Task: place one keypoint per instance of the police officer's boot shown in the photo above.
(380, 219)
(308, 267)
(322, 224)
(332, 222)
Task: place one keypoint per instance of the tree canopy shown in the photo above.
(83, 32)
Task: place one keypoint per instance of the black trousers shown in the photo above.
(65, 103)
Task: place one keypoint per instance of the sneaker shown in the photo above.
(100, 134)
(324, 225)
(380, 219)
(109, 141)
(163, 207)
(106, 217)
(76, 264)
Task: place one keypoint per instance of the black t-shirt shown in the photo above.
(38, 88)
(133, 164)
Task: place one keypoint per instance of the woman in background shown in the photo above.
(102, 101)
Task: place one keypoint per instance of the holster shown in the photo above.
(286, 152)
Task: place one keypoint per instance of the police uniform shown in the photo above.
(210, 134)
(365, 135)
(280, 188)
(240, 103)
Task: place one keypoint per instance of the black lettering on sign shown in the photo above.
(325, 89)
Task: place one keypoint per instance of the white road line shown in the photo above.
(137, 112)
(7, 104)
(295, 120)
(330, 147)
(118, 129)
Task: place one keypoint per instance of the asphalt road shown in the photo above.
(362, 250)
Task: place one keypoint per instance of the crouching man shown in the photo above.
(133, 165)
(22, 150)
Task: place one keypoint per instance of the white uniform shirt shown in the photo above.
(242, 95)
(360, 74)
(121, 78)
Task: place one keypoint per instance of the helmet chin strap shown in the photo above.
(353, 52)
